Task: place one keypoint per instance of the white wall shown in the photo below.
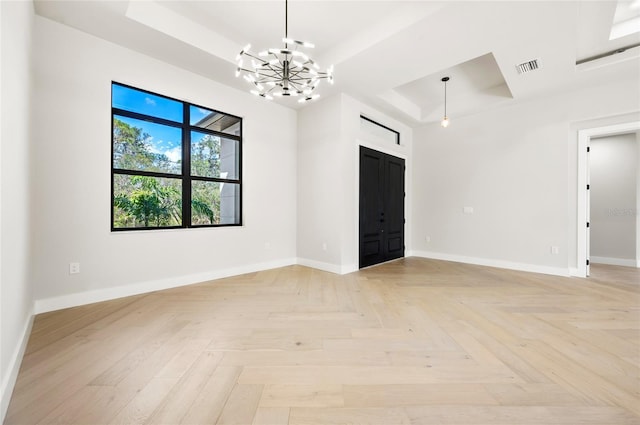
(516, 166)
(16, 300)
(613, 166)
(72, 178)
(329, 139)
(320, 184)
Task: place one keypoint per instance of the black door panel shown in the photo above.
(381, 207)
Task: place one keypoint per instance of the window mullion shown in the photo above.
(186, 168)
(144, 117)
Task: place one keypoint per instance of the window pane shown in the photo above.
(378, 131)
(146, 146)
(214, 156)
(213, 120)
(140, 201)
(215, 203)
(145, 103)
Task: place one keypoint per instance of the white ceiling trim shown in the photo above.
(403, 18)
(629, 54)
(162, 19)
(400, 102)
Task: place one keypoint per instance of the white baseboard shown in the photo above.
(327, 267)
(11, 374)
(573, 271)
(556, 271)
(98, 295)
(82, 298)
(614, 261)
(349, 268)
(89, 297)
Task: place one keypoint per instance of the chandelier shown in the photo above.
(279, 72)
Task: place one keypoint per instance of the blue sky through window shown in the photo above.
(145, 103)
(162, 138)
(197, 114)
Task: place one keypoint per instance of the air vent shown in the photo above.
(529, 66)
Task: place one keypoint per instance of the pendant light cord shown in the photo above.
(286, 20)
(445, 99)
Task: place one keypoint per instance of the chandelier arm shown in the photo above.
(268, 71)
(296, 86)
(253, 56)
(281, 60)
(249, 71)
(268, 79)
(277, 72)
(297, 74)
(270, 90)
(275, 78)
(269, 67)
(301, 81)
(269, 82)
(304, 72)
(305, 81)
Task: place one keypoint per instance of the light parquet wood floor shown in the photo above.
(414, 341)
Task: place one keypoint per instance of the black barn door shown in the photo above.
(381, 207)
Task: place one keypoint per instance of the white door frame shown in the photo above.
(584, 139)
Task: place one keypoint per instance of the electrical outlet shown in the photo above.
(324, 246)
(468, 210)
(267, 246)
(74, 268)
(427, 238)
(555, 250)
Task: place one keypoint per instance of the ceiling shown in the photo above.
(389, 54)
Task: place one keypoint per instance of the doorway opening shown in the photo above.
(583, 190)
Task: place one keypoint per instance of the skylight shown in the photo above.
(626, 19)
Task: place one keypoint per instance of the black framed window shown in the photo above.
(378, 130)
(174, 164)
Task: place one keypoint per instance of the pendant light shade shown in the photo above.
(445, 119)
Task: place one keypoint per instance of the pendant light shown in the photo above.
(445, 120)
